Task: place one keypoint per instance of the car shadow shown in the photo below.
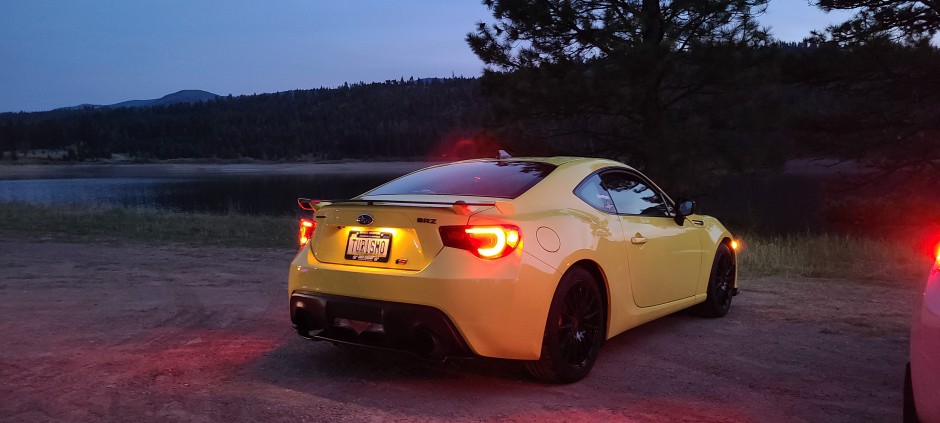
(306, 360)
(384, 379)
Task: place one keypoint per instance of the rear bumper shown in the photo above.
(422, 330)
(925, 351)
(497, 308)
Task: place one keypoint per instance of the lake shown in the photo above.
(767, 203)
(250, 189)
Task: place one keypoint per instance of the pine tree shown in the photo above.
(906, 22)
(633, 79)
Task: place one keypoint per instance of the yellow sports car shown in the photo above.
(535, 259)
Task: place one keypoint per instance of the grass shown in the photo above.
(831, 256)
(125, 224)
(801, 255)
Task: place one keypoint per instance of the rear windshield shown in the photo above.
(499, 179)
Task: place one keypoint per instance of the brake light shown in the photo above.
(938, 256)
(307, 227)
(486, 242)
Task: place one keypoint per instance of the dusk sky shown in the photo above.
(58, 53)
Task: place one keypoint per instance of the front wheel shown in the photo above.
(574, 331)
(720, 284)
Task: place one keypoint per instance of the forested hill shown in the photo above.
(394, 119)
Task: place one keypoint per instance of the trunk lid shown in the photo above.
(385, 234)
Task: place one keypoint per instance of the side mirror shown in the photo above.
(685, 208)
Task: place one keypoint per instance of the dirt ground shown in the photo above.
(124, 332)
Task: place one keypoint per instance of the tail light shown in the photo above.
(938, 257)
(486, 242)
(307, 227)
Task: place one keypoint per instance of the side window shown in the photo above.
(631, 196)
(592, 191)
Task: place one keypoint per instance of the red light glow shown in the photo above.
(454, 147)
(486, 242)
(938, 256)
(307, 227)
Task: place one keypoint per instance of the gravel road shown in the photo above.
(163, 333)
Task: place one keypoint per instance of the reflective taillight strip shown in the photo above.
(486, 242)
(307, 227)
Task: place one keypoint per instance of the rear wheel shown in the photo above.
(720, 284)
(574, 331)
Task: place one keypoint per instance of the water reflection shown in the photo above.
(266, 195)
(773, 203)
(251, 194)
(132, 192)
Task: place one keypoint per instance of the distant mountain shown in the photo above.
(179, 97)
(391, 119)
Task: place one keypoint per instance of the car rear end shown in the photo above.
(412, 267)
(924, 376)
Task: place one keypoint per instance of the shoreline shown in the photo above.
(14, 171)
(174, 170)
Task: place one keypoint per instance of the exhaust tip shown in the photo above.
(302, 324)
(426, 343)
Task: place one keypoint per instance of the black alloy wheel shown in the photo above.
(720, 284)
(574, 331)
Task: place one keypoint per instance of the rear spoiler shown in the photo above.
(460, 207)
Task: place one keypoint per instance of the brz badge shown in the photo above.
(364, 219)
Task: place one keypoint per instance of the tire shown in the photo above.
(720, 284)
(910, 408)
(574, 331)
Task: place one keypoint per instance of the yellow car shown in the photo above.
(534, 259)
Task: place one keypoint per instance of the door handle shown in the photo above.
(638, 240)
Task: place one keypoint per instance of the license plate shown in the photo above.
(368, 246)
